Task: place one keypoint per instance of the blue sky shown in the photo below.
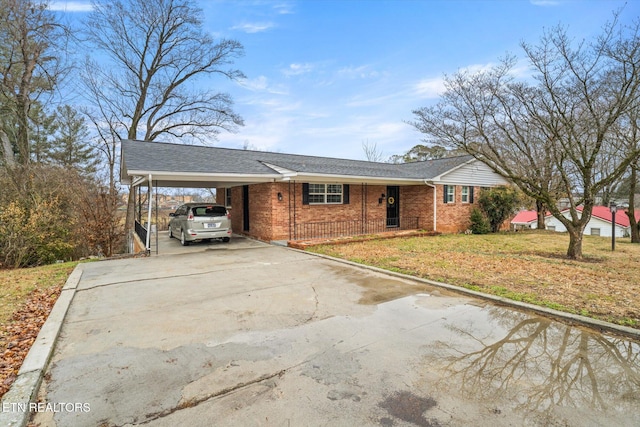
(324, 76)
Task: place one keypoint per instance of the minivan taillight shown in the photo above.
(190, 217)
(228, 215)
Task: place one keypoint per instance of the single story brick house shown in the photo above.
(277, 196)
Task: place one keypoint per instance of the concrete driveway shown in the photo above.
(253, 334)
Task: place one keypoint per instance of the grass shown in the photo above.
(529, 267)
(16, 285)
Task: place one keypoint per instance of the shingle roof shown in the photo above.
(168, 157)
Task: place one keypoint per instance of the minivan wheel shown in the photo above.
(225, 239)
(183, 240)
(170, 233)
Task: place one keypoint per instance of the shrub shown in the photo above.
(498, 204)
(34, 234)
(49, 213)
(479, 222)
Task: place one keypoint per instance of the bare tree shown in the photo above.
(31, 43)
(371, 152)
(556, 131)
(156, 50)
(629, 133)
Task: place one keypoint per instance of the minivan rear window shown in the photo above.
(209, 211)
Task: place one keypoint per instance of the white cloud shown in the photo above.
(253, 27)
(361, 72)
(430, 88)
(283, 8)
(262, 84)
(297, 69)
(70, 6)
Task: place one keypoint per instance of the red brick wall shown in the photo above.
(416, 201)
(454, 217)
(273, 219)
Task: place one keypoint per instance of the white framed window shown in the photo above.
(464, 194)
(227, 197)
(595, 231)
(329, 194)
(450, 194)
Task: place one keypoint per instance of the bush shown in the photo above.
(498, 204)
(34, 234)
(49, 213)
(479, 222)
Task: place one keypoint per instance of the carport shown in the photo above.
(153, 169)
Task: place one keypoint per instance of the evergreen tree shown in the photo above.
(42, 126)
(71, 147)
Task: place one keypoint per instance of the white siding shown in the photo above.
(604, 226)
(475, 173)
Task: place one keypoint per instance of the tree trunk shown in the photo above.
(541, 214)
(7, 150)
(575, 244)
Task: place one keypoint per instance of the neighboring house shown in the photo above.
(598, 225)
(525, 220)
(276, 196)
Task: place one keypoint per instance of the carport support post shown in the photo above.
(149, 196)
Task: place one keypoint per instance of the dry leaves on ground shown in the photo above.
(21, 332)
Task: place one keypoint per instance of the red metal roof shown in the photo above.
(601, 212)
(604, 213)
(525, 217)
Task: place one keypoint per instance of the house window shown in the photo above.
(466, 195)
(325, 194)
(449, 193)
(551, 227)
(595, 231)
(227, 197)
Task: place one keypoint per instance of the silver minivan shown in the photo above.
(200, 221)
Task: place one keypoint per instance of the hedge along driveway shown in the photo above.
(529, 267)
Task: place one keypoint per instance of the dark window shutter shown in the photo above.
(305, 193)
(471, 194)
(445, 190)
(345, 194)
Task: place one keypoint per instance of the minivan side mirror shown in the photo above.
(172, 214)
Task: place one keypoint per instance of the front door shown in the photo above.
(245, 208)
(393, 206)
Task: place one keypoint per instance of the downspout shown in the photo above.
(149, 196)
(435, 216)
(289, 200)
